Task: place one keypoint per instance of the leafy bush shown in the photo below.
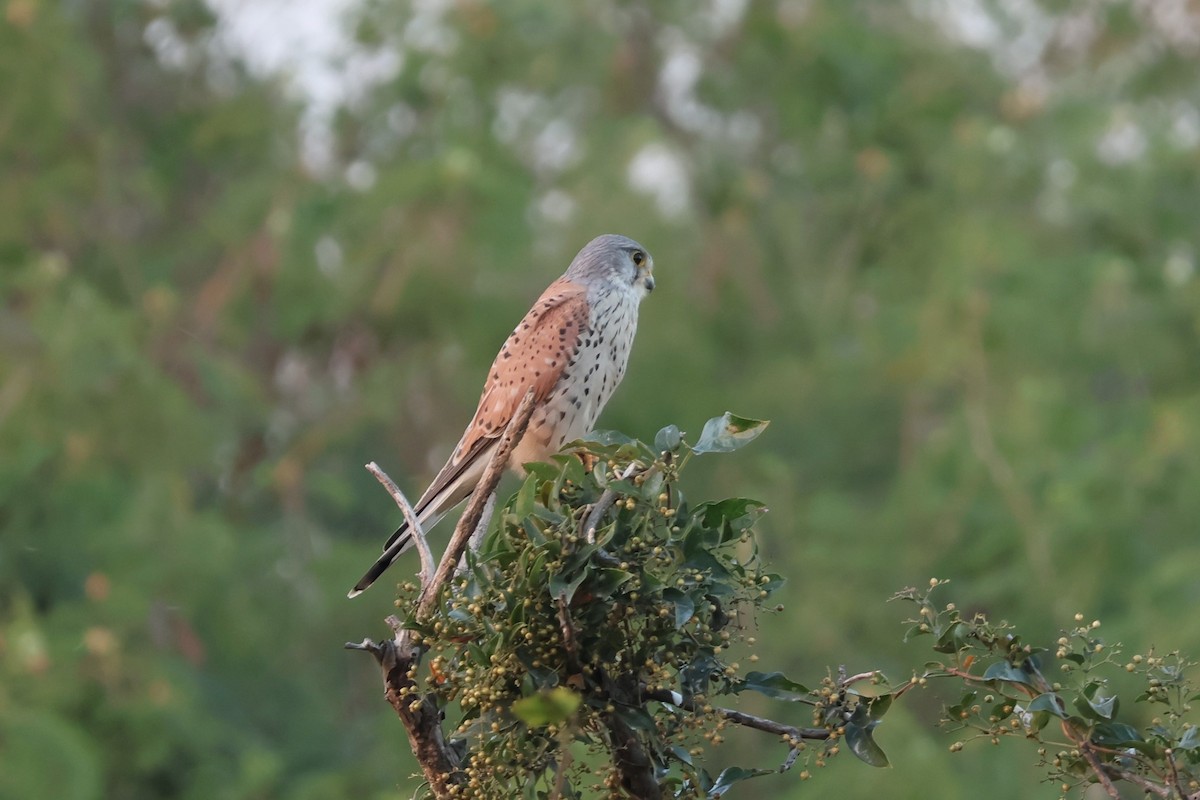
(1066, 698)
(589, 637)
(585, 644)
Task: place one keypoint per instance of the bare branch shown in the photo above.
(603, 504)
(738, 717)
(1145, 784)
(420, 715)
(790, 761)
(853, 679)
(568, 632)
(475, 506)
(414, 526)
(1174, 780)
(1101, 774)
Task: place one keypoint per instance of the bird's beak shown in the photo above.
(649, 281)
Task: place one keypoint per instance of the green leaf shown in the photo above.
(685, 606)
(1007, 673)
(1050, 703)
(682, 754)
(533, 532)
(1118, 734)
(668, 439)
(862, 743)
(732, 775)
(1190, 739)
(653, 485)
(727, 433)
(696, 675)
(533, 575)
(1036, 720)
(526, 496)
(570, 469)
(606, 581)
(561, 586)
(607, 438)
(953, 639)
(920, 629)
(773, 581)
(637, 718)
(774, 684)
(736, 512)
(1095, 704)
(878, 706)
(546, 708)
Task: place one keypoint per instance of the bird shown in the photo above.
(571, 349)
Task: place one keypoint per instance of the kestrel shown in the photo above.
(571, 349)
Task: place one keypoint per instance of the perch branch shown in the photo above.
(475, 506)
(414, 526)
(398, 657)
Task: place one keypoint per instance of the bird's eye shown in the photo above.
(639, 258)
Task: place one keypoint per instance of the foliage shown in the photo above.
(574, 646)
(1066, 699)
(572, 640)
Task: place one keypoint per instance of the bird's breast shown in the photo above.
(589, 378)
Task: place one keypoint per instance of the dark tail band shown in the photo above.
(396, 545)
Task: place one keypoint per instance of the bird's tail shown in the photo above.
(451, 487)
(399, 542)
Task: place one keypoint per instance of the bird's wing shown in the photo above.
(534, 355)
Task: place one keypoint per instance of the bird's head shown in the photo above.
(614, 262)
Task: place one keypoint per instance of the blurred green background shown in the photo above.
(947, 246)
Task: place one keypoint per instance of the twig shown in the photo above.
(633, 763)
(475, 506)
(1145, 784)
(853, 679)
(568, 632)
(1101, 774)
(605, 502)
(790, 761)
(738, 717)
(414, 526)
(560, 779)
(1169, 753)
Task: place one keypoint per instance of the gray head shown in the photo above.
(616, 262)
